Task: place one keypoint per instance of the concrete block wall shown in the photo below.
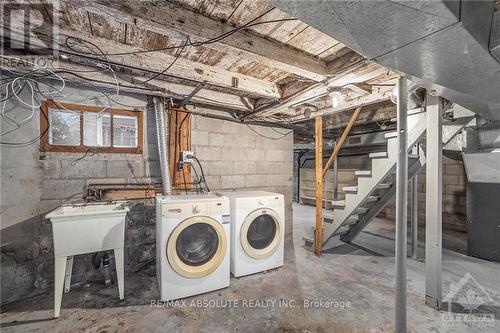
(454, 194)
(454, 197)
(238, 157)
(33, 183)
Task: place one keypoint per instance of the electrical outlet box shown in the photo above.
(187, 156)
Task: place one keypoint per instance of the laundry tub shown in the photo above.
(86, 228)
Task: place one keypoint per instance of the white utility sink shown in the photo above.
(86, 228)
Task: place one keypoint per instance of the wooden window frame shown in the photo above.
(45, 146)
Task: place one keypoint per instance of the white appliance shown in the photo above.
(257, 231)
(192, 244)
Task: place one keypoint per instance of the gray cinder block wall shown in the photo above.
(454, 195)
(33, 183)
(235, 157)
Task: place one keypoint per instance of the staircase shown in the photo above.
(375, 187)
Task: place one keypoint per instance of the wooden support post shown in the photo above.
(319, 185)
(341, 140)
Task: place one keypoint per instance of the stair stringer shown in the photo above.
(381, 167)
(374, 210)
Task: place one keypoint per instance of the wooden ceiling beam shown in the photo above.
(107, 81)
(182, 70)
(357, 73)
(376, 97)
(177, 22)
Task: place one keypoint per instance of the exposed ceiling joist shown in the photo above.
(350, 104)
(157, 87)
(182, 69)
(177, 22)
(358, 73)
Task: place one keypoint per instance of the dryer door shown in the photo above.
(260, 233)
(196, 247)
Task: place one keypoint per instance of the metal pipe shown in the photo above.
(414, 214)
(401, 214)
(162, 134)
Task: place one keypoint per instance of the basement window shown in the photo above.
(80, 128)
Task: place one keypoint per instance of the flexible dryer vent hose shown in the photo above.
(162, 130)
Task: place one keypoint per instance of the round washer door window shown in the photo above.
(196, 247)
(261, 233)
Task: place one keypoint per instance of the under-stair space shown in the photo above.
(307, 186)
(373, 188)
(363, 194)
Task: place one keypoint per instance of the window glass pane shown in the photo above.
(124, 131)
(64, 127)
(96, 129)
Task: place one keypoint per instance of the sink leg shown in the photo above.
(60, 270)
(67, 277)
(119, 262)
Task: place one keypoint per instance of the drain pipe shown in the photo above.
(162, 134)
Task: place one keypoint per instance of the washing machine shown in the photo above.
(257, 231)
(192, 244)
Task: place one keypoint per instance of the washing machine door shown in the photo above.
(197, 247)
(260, 233)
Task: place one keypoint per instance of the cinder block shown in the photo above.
(266, 168)
(82, 169)
(256, 180)
(207, 153)
(453, 169)
(280, 180)
(454, 189)
(216, 168)
(278, 155)
(51, 169)
(63, 188)
(199, 137)
(232, 182)
(284, 168)
(214, 182)
(125, 168)
(245, 168)
(450, 179)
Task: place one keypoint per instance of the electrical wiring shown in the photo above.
(249, 24)
(169, 66)
(202, 173)
(268, 137)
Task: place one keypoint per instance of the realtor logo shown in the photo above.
(464, 305)
(29, 26)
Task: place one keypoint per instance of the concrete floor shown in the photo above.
(361, 273)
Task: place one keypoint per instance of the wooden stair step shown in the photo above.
(350, 189)
(363, 173)
(381, 154)
(339, 204)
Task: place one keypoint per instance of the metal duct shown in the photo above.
(443, 45)
(162, 134)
